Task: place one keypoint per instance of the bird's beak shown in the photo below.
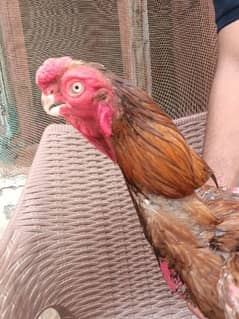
(50, 106)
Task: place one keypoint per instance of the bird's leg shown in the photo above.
(175, 285)
(171, 278)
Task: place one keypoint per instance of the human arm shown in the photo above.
(221, 149)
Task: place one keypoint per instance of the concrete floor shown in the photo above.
(10, 191)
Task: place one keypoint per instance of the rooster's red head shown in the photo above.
(80, 93)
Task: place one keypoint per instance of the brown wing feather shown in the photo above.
(225, 206)
(150, 150)
(180, 236)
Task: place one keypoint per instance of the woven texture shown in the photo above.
(75, 242)
(183, 54)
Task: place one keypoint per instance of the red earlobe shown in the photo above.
(105, 114)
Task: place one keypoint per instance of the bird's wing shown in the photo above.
(180, 238)
(223, 204)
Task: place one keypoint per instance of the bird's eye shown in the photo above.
(76, 88)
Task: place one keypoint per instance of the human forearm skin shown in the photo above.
(221, 149)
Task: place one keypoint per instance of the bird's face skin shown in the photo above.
(82, 95)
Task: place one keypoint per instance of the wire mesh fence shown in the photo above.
(176, 38)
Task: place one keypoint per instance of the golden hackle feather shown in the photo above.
(149, 147)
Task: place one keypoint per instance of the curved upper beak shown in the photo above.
(50, 106)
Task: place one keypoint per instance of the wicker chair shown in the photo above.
(75, 243)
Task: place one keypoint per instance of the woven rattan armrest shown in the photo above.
(75, 242)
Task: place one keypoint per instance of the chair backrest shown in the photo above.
(75, 243)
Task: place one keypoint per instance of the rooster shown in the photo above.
(193, 228)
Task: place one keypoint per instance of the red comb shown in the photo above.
(50, 70)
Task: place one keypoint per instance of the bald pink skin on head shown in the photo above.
(86, 111)
(84, 105)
